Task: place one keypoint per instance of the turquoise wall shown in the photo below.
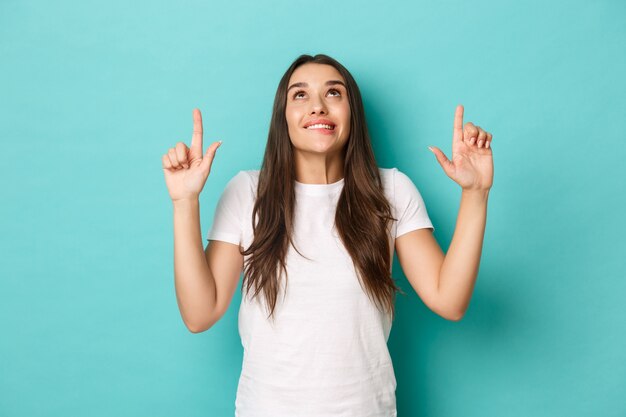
(92, 94)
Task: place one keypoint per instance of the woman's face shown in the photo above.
(317, 92)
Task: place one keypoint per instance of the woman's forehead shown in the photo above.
(311, 72)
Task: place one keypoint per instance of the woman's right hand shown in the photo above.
(185, 169)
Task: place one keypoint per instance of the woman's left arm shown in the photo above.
(445, 283)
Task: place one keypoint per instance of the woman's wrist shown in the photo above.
(186, 202)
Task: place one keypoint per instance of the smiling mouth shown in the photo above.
(320, 127)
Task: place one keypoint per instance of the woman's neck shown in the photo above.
(318, 169)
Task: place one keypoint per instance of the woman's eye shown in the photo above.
(297, 93)
(336, 91)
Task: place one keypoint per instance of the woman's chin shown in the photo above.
(318, 144)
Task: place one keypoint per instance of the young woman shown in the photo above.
(314, 232)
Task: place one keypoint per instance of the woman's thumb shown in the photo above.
(209, 155)
(445, 163)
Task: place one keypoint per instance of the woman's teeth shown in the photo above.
(319, 126)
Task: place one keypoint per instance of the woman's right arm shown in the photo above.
(205, 281)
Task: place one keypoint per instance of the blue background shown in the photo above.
(92, 94)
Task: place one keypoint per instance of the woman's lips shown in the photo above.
(323, 131)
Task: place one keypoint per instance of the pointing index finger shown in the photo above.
(196, 138)
(458, 123)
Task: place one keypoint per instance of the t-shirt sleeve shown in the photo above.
(410, 208)
(228, 217)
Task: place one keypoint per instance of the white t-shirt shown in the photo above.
(326, 352)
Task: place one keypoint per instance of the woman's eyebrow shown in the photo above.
(301, 84)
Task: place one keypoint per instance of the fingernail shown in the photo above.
(431, 149)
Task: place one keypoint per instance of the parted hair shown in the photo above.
(363, 215)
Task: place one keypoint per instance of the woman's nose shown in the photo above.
(317, 105)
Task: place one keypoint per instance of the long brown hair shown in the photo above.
(363, 213)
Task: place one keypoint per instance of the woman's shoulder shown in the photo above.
(243, 183)
(386, 173)
(393, 176)
(387, 177)
(249, 174)
(396, 183)
(246, 176)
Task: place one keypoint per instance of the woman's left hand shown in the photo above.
(472, 160)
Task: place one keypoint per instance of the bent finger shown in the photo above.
(181, 154)
(166, 162)
(470, 132)
(171, 154)
(482, 137)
